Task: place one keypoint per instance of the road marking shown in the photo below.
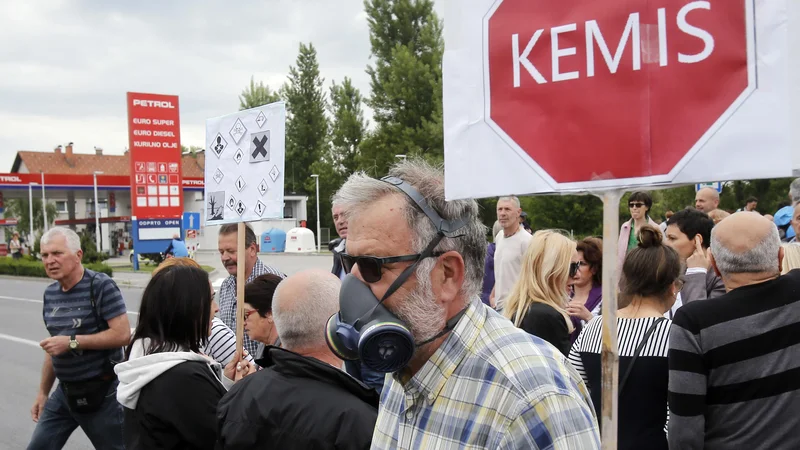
(30, 300)
(19, 340)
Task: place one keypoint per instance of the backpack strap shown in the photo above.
(108, 363)
(638, 351)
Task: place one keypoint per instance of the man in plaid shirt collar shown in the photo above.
(226, 299)
(485, 384)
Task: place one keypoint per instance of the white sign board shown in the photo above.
(245, 156)
(546, 97)
(717, 186)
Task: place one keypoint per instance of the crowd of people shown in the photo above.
(424, 335)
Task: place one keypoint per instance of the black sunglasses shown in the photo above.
(575, 267)
(371, 267)
(635, 205)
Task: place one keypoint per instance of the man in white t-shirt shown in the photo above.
(511, 245)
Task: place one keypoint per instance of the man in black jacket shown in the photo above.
(302, 399)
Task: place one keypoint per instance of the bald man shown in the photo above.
(302, 398)
(706, 200)
(737, 386)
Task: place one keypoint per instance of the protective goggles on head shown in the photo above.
(364, 328)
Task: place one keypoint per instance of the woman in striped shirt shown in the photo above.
(650, 283)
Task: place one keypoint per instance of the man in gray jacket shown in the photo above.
(689, 233)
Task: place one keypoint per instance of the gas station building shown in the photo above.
(68, 181)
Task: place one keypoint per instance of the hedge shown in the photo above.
(28, 268)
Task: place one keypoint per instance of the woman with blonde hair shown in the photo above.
(539, 299)
(791, 258)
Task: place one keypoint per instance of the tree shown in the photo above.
(348, 128)
(406, 83)
(306, 123)
(17, 208)
(257, 95)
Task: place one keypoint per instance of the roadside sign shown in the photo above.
(191, 234)
(191, 220)
(716, 186)
(155, 148)
(544, 97)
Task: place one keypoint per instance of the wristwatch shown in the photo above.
(73, 343)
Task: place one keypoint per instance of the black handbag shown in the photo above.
(87, 396)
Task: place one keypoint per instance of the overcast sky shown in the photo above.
(65, 65)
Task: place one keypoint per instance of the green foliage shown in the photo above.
(18, 208)
(90, 253)
(581, 215)
(27, 267)
(771, 193)
(306, 124)
(37, 244)
(257, 95)
(348, 127)
(406, 83)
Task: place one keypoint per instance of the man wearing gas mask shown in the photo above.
(358, 371)
(462, 375)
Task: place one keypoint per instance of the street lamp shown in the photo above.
(44, 205)
(96, 213)
(319, 237)
(30, 210)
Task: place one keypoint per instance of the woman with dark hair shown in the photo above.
(258, 322)
(586, 282)
(650, 283)
(168, 388)
(639, 205)
(221, 345)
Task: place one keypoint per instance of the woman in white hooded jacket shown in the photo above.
(169, 389)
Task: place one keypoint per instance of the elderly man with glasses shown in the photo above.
(469, 378)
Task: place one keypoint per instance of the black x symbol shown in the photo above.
(259, 143)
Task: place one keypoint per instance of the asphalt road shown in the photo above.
(21, 330)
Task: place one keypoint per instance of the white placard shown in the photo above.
(245, 159)
(751, 139)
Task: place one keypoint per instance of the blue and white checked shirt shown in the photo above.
(227, 300)
(489, 386)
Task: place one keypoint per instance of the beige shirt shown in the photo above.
(507, 263)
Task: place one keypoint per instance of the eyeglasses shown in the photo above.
(575, 267)
(371, 267)
(247, 313)
(636, 205)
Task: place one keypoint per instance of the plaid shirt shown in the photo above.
(227, 300)
(490, 385)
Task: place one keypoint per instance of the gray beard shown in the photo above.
(424, 318)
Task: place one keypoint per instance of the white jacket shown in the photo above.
(141, 369)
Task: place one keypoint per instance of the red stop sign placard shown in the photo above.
(593, 91)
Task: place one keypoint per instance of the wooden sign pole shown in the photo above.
(609, 353)
(240, 281)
